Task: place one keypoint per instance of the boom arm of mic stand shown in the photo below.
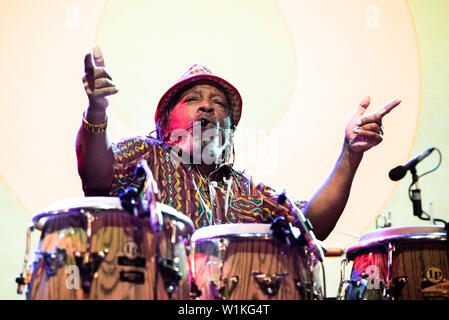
(305, 227)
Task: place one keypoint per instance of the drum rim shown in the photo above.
(408, 228)
(234, 230)
(104, 203)
(352, 251)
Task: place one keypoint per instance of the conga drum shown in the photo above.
(246, 262)
(399, 263)
(91, 248)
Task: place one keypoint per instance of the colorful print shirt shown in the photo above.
(226, 196)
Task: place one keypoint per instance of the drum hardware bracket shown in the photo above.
(194, 291)
(269, 284)
(23, 279)
(363, 289)
(130, 201)
(360, 291)
(340, 296)
(306, 287)
(224, 293)
(88, 269)
(54, 260)
(393, 292)
(137, 262)
(282, 230)
(169, 269)
(132, 276)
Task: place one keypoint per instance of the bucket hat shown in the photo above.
(200, 72)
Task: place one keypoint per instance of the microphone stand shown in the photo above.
(305, 227)
(416, 193)
(142, 203)
(150, 197)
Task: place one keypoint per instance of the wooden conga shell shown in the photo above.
(419, 255)
(238, 257)
(64, 231)
(118, 232)
(127, 245)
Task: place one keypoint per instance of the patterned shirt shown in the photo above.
(226, 196)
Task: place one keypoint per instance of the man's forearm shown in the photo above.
(328, 203)
(94, 155)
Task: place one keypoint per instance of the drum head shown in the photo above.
(80, 205)
(380, 237)
(242, 230)
(256, 230)
(247, 262)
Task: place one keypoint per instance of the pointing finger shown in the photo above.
(388, 107)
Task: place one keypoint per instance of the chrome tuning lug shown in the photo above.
(171, 274)
(54, 260)
(195, 292)
(269, 284)
(394, 291)
(88, 265)
(225, 291)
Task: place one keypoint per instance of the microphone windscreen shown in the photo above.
(139, 171)
(281, 199)
(397, 173)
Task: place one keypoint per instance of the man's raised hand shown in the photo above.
(97, 82)
(364, 132)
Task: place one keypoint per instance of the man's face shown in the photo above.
(200, 121)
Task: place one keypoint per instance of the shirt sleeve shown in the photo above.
(270, 201)
(127, 153)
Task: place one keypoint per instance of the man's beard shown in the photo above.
(203, 143)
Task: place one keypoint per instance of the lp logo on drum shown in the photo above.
(434, 274)
(132, 250)
(372, 277)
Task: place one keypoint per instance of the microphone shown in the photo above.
(305, 226)
(150, 194)
(399, 172)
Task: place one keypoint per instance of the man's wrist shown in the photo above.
(95, 115)
(353, 157)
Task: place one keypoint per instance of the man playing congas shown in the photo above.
(191, 156)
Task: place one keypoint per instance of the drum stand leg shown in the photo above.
(343, 281)
(25, 276)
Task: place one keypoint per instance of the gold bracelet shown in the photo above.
(95, 128)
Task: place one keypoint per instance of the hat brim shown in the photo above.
(232, 94)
